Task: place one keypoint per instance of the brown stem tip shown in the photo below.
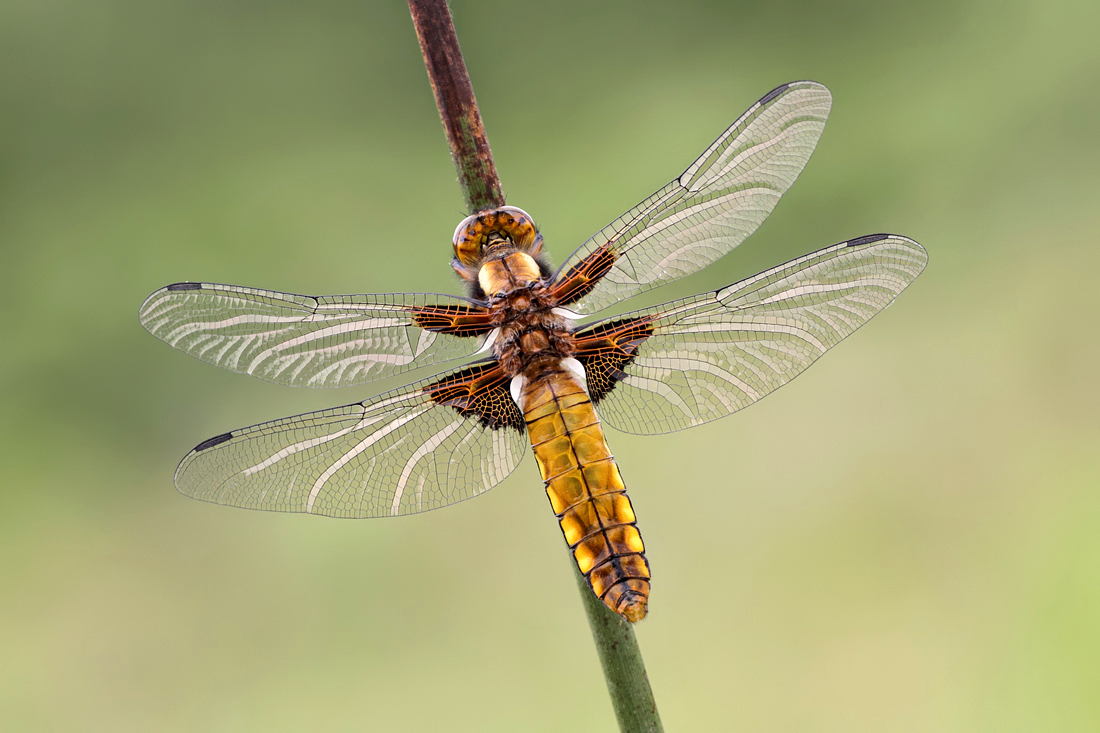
(454, 96)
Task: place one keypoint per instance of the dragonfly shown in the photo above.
(533, 374)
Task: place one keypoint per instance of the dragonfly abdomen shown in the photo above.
(586, 490)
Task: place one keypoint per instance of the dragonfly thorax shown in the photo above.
(528, 329)
(508, 272)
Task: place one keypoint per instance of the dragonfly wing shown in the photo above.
(695, 360)
(300, 340)
(418, 448)
(718, 201)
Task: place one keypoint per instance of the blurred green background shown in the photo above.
(905, 539)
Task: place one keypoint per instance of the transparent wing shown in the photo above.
(691, 361)
(710, 209)
(406, 451)
(326, 341)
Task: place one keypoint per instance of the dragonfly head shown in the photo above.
(493, 233)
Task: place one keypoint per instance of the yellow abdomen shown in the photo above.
(586, 491)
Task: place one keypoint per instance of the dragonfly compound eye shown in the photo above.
(508, 226)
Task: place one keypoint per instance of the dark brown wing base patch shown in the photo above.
(457, 320)
(606, 348)
(479, 391)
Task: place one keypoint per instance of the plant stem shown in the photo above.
(623, 666)
(457, 107)
(620, 657)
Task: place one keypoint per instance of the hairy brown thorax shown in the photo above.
(529, 329)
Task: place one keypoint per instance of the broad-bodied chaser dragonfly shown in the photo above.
(533, 374)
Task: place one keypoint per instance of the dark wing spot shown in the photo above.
(868, 239)
(183, 286)
(774, 93)
(216, 440)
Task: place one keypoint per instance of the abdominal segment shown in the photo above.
(586, 491)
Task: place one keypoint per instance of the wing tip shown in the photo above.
(872, 238)
(184, 464)
(800, 84)
(918, 249)
(155, 296)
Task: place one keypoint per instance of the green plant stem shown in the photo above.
(620, 657)
(623, 666)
